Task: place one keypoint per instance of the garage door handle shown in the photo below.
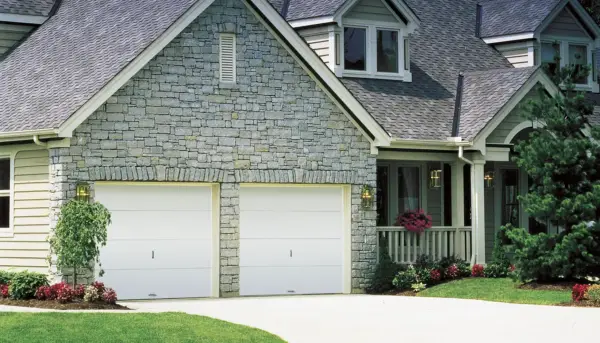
(153, 254)
(290, 252)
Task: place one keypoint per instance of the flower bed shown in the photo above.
(32, 290)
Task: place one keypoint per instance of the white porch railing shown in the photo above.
(405, 246)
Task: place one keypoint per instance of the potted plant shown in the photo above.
(414, 221)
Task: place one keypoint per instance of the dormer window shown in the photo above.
(373, 51)
(572, 53)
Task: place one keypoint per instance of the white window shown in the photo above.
(227, 58)
(5, 193)
(370, 50)
(572, 53)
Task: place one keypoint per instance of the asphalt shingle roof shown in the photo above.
(27, 7)
(443, 46)
(506, 17)
(485, 93)
(74, 54)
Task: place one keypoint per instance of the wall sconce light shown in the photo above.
(435, 178)
(488, 178)
(367, 197)
(82, 192)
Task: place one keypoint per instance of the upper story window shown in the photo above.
(5, 193)
(374, 51)
(572, 53)
(549, 53)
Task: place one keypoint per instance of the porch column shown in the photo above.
(478, 209)
(458, 193)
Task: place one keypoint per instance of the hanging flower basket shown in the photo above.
(415, 221)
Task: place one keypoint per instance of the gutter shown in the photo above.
(36, 140)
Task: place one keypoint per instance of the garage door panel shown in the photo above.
(160, 225)
(258, 224)
(154, 197)
(291, 252)
(184, 254)
(290, 280)
(166, 283)
(294, 199)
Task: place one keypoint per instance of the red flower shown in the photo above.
(43, 293)
(99, 286)
(477, 270)
(452, 272)
(4, 291)
(79, 291)
(435, 275)
(109, 296)
(579, 292)
(512, 268)
(414, 221)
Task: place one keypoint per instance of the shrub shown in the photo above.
(79, 291)
(593, 293)
(385, 272)
(464, 269)
(4, 293)
(579, 292)
(425, 262)
(99, 286)
(24, 284)
(44, 293)
(417, 287)
(406, 278)
(494, 270)
(109, 296)
(477, 270)
(452, 272)
(91, 294)
(6, 277)
(435, 276)
(64, 294)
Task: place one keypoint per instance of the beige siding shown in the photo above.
(434, 198)
(318, 39)
(513, 119)
(371, 10)
(517, 54)
(565, 25)
(10, 34)
(28, 248)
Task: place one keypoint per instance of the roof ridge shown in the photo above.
(511, 70)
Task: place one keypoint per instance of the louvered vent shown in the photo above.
(227, 58)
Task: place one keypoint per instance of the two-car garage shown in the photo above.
(164, 239)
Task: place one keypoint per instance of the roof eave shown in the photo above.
(22, 19)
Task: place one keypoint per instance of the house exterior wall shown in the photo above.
(373, 10)
(434, 196)
(514, 118)
(520, 54)
(26, 247)
(318, 39)
(10, 34)
(565, 25)
(174, 121)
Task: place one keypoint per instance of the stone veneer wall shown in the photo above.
(174, 121)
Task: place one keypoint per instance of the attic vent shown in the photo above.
(227, 58)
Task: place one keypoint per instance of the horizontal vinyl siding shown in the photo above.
(28, 248)
(516, 53)
(565, 25)
(371, 10)
(10, 34)
(513, 119)
(318, 40)
(490, 217)
(434, 198)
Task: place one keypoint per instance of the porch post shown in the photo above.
(478, 209)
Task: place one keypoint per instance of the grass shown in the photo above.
(501, 290)
(131, 327)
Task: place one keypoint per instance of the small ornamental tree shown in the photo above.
(562, 158)
(80, 232)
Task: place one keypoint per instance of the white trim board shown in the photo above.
(22, 18)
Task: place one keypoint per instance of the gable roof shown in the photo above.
(27, 7)
(424, 108)
(74, 54)
(507, 17)
(484, 93)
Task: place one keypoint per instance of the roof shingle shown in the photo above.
(27, 7)
(507, 17)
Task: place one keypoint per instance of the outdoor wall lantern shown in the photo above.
(82, 191)
(367, 197)
(435, 178)
(488, 178)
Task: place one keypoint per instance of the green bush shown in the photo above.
(494, 270)
(593, 293)
(385, 272)
(24, 284)
(6, 277)
(405, 279)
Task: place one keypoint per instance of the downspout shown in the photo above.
(36, 140)
(461, 156)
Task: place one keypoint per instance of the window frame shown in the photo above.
(393, 185)
(371, 28)
(564, 45)
(10, 194)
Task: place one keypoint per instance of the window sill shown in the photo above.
(6, 233)
(406, 76)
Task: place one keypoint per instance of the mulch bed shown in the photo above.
(55, 305)
(552, 286)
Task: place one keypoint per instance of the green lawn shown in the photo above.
(130, 327)
(502, 290)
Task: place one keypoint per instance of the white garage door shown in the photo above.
(291, 240)
(160, 241)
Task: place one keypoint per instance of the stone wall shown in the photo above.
(174, 121)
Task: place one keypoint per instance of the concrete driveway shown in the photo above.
(364, 318)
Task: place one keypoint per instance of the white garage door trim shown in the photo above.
(346, 192)
(216, 210)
